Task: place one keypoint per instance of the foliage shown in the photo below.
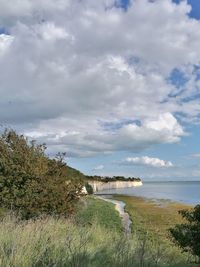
(112, 179)
(31, 183)
(187, 235)
(89, 188)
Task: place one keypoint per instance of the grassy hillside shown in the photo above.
(87, 239)
(75, 174)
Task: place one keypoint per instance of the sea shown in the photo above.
(187, 192)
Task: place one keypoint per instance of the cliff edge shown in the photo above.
(101, 185)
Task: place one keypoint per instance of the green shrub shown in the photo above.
(89, 188)
(187, 235)
(33, 184)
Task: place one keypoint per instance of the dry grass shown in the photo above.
(155, 216)
(57, 242)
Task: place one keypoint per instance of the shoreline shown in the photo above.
(152, 216)
(134, 209)
(152, 199)
(145, 215)
(120, 208)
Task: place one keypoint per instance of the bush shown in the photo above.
(33, 184)
(187, 235)
(89, 188)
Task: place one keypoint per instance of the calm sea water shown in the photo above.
(185, 192)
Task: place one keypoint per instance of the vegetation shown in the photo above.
(112, 179)
(154, 216)
(64, 229)
(187, 234)
(33, 184)
(89, 188)
(102, 212)
(86, 240)
(151, 221)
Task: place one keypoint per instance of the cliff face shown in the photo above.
(100, 186)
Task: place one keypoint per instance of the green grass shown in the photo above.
(87, 240)
(2, 212)
(155, 216)
(95, 210)
(152, 219)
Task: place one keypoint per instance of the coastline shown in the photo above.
(140, 213)
(120, 208)
(99, 186)
(151, 220)
(152, 215)
(183, 193)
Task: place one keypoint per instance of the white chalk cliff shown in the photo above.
(100, 186)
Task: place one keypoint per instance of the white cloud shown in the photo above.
(196, 155)
(50, 32)
(148, 161)
(28, 9)
(75, 67)
(5, 42)
(164, 129)
(130, 137)
(98, 168)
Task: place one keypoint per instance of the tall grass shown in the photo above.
(51, 242)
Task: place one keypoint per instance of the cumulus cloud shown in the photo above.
(87, 77)
(148, 161)
(130, 137)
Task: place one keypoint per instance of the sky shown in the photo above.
(114, 84)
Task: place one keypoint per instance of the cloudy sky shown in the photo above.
(115, 84)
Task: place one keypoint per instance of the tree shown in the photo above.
(33, 184)
(89, 189)
(187, 235)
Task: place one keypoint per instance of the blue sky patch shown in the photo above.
(123, 4)
(195, 12)
(111, 126)
(3, 30)
(178, 78)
